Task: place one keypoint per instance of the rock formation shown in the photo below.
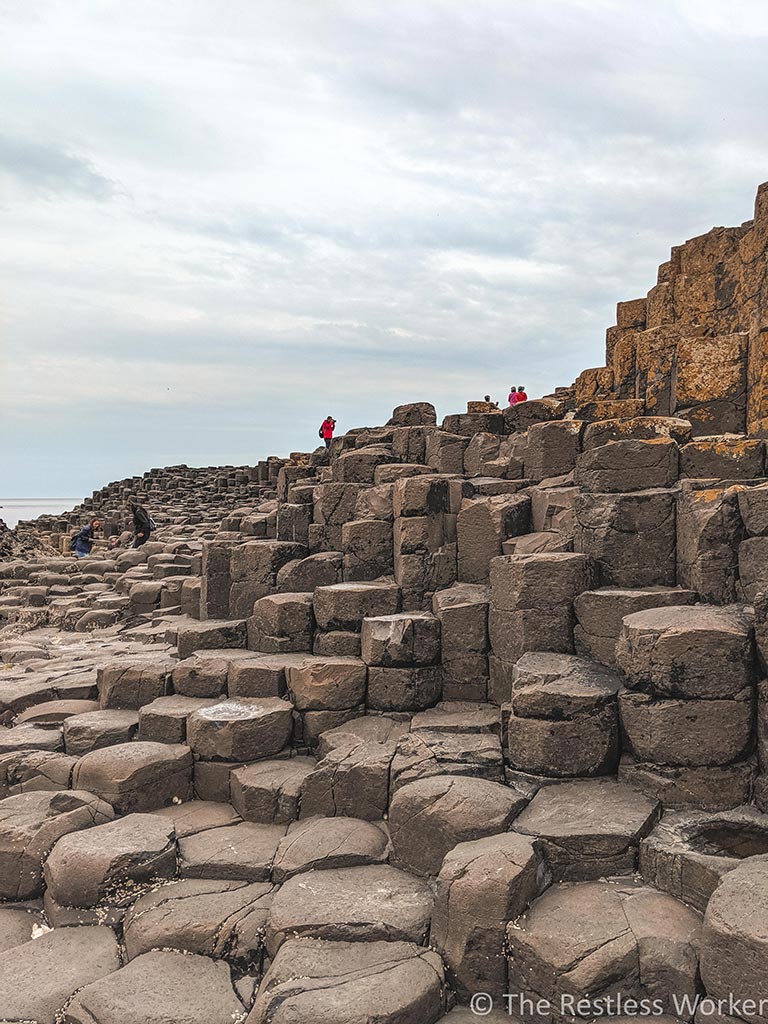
(361, 733)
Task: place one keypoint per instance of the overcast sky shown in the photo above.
(222, 219)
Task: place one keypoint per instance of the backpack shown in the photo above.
(320, 432)
(73, 541)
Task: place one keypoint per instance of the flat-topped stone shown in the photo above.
(242, 851)
(217, 918)
(30, 825)
(314, 981)
(323, 843)
(160, 985)
(361, 904)
(240, 729)
(137, 776)
(106, 862)
(589, 829)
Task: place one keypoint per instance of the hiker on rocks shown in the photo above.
(521, 396)
(512, 397)
(326, 430)
(142, 525)
(83, 541)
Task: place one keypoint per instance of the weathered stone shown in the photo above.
(254, 567)
(270, 792)
(428, 752)
(630, 465)
(136, 776)
(243, 851)
(30, 825)
(708, 788)
(327, 684)
(220, 919)
(698, 651)
(482, 886)
(630, 536)
(199, 676)
(599, 615)
(552, 448)
(590, 940)
(322, 843)
(709, 531)
(687, 855)
(165, 719)
(352, 776)
(362, 904)
(241, 729)
(39, 978)
(404, 689)
(723, 458)
(589, 829)
(106, 863)
(482, 527)
(314, 981)
(160, 985)
(213, 634)
(281, 624)
(345, 605)
(734, 943)
(463, 614)
(429, 817)
(687, 733)
(96, 729)
(397, 641)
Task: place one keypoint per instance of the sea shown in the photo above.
(14, 509)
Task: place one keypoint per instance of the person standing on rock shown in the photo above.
(326, 430)
(85, 539)
(142, 525)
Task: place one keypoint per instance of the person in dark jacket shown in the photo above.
(142, 525)
(84, 541)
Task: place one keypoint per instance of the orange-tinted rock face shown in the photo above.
(697, 346)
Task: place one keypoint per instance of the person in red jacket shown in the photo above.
(326, 430)
(521, 396)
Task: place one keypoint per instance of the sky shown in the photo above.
(221, 220)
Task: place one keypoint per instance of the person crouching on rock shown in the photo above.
(326, 430)
(142, 525)
(85, 539)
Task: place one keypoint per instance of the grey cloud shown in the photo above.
(49, 170)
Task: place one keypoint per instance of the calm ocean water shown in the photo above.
(14, 509)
